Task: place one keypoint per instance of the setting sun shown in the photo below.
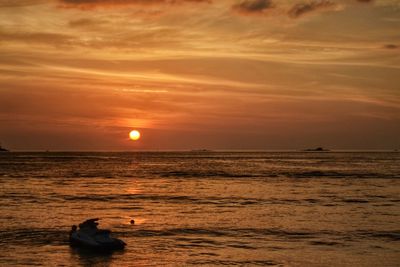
(134, 135)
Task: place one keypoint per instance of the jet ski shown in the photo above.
(89, 236)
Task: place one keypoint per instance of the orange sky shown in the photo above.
(216, 74)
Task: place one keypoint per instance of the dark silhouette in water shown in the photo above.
(89, 257)
(73, 230)
(91, 223)
(89, 236)
(201, 150)
(318, 149)
(2, 149)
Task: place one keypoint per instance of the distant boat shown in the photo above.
(318, 149)
(2, 149)
(200, 150)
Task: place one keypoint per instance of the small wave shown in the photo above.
(64, 156)
(234, 263)
(121, 197)
(197, 242)
(322, 237)
(241, 246)
(34, 236)
(334, 174)
(296, 174)
(180, 231)
(167, 198)
(15, 198)
(221, 232)
(388, 235)
(204, 174)
(354, 200)
(325, 243)
(207, 254)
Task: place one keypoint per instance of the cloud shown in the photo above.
(301, 9)
(293, 9)
(20, 3)
(86, 23)
(90, 4)
(56, 39)
(81, 23)
(253, 6)
(391, 46)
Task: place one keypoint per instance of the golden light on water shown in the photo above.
(134, 135)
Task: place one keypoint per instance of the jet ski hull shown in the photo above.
(112, 244)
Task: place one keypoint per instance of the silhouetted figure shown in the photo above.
(90, 236)
(73, 230)
(91, 224)
(132, 221)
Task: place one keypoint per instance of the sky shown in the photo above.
(199, 74)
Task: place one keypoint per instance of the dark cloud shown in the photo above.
(391, 46)
(253, 6)
(365, 1)
(312, 6)
(88, 4)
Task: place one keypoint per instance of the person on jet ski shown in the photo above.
(90, 236)
(89, 226)
(73, 230)
(91, 223)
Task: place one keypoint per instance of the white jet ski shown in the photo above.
(90, 236)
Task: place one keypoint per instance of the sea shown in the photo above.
(203, 208)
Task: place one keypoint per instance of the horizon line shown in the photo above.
(201, 150)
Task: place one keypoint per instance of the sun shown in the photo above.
(134, 135)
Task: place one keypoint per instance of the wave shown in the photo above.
(218, 165)
(39, 236)
(337, 174)
(211, 262)
(265, 232)
(203, 174)
(276, 174)
(125, 201)
(35, 236)
(177, 199)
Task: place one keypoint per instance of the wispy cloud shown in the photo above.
(391, 46)
(47, 38)
(294, 9)
(86, 22)
(253, 6)
(89, 4)
(301, 9)
(19, 3)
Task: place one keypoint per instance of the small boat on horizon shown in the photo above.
(2, 149)
(201, 150)
(318, 149)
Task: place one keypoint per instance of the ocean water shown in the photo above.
(203, 208)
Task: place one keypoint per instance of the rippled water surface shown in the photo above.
(203, 208)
